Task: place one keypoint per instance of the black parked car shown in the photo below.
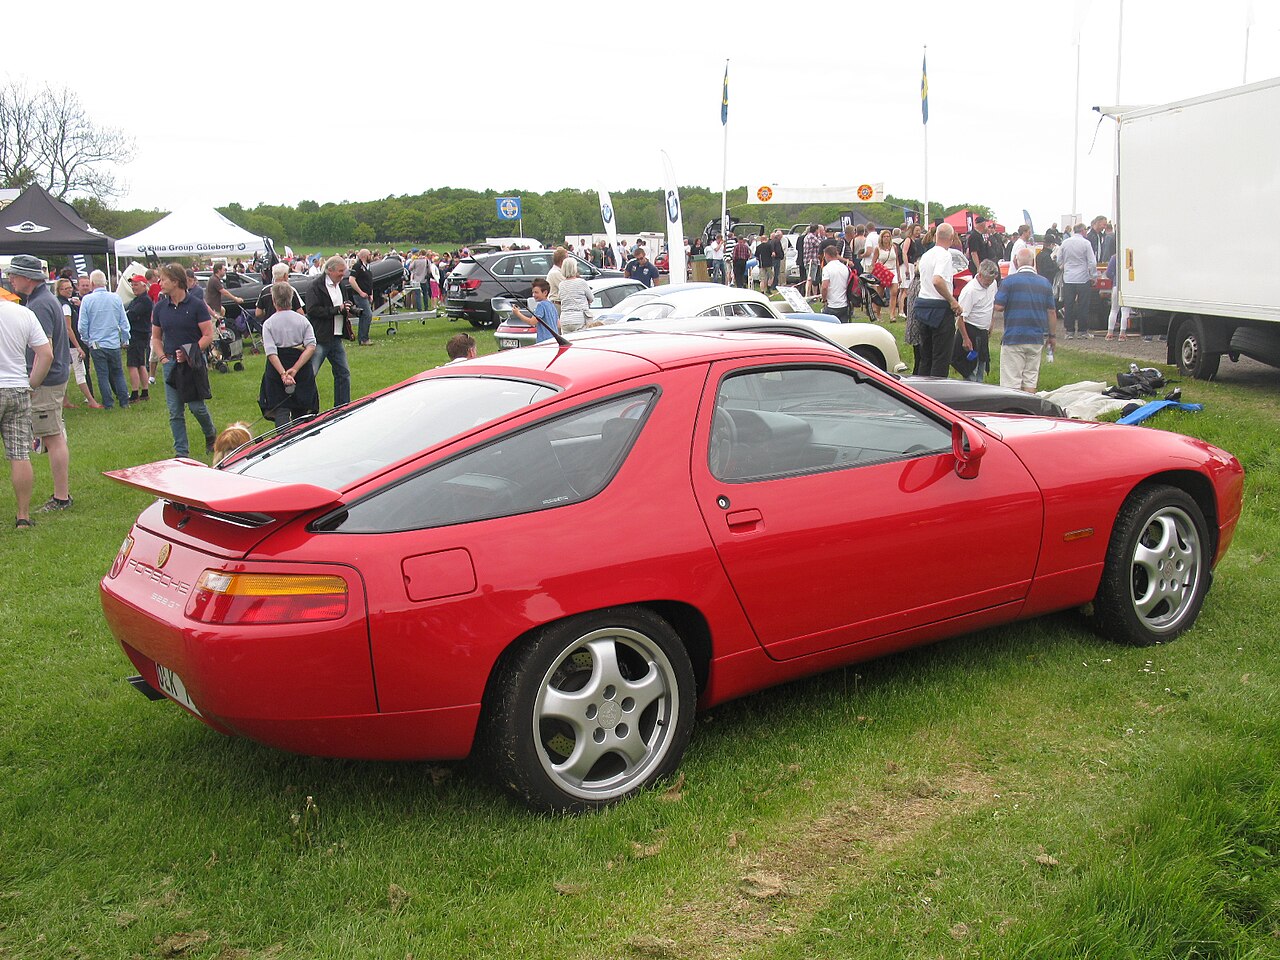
(475, 281)
(387, 273)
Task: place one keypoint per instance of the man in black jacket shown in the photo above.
(328, 304)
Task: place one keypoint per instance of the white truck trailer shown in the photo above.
(1198, 225)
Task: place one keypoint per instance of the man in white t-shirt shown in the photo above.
(937, 311)
(20, 331)
(977, 300)
(1021, 242)
(714, 254)
(835, 284)
(869, 251)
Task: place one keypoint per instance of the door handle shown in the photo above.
(742, 521)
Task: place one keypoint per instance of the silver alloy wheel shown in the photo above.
(605, 713)
(1165, 570)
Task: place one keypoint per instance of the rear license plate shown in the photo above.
(509, 344)
(172, 685)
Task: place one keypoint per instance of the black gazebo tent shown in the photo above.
(40, 225)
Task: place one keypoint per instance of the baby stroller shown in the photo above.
(227, 347)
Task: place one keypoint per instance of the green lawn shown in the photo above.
(1030, 791)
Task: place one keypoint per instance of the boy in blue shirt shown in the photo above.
(543, 309)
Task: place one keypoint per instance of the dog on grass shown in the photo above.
(235, 435)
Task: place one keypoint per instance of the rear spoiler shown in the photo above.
(192, 483)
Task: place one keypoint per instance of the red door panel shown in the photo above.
(845, 553)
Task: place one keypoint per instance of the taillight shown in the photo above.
(121, 556)
(472, 284)
(221, 597)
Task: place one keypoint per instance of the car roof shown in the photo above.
(615, 354)
(604, 283)
(693, 297)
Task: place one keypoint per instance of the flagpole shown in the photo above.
(724, 173)
(1075, 146)
(925, 97)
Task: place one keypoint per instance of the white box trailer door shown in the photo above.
(1199, 191)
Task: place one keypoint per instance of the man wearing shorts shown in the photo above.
(28, 279)
(20, 332)
(1030, 321)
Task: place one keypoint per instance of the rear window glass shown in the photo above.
(555, 463)
(350, 444)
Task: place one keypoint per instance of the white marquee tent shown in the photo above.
(191, 232)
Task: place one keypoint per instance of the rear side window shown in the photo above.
(358, 441)
(507, 267)
(536, 264)
(557, 462)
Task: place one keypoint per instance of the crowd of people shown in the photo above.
(54, 331)
(78, 330)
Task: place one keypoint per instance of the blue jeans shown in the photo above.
(425, 287)
(716, 267)
(178, 416)
(335, 351)
(110, 371)
(366, 317)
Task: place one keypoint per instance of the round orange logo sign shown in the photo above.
(764, 194)
(865, 192)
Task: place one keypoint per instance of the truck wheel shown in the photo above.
(1193, 359)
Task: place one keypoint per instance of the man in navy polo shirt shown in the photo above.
(641, 269)
(1030, 320)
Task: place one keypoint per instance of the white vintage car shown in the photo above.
(869, 341)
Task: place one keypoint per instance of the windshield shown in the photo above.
(651, 311)
(351, 444)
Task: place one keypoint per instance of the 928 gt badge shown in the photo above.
(673, 206)
(163, 556)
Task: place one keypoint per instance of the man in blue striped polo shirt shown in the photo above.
(1030, 320)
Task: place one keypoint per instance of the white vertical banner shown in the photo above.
(675, 225)
(608, 215)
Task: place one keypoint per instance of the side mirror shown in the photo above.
(968, 448)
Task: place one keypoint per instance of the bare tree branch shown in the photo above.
(48, 137)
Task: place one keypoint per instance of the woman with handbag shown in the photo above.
(575, 297)
(180, 323)
(883, 260)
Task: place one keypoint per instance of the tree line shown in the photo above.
(453, 216)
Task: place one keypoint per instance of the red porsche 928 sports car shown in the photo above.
(553, 556)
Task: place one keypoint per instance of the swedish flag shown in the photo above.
(724, 97)
(924, 87)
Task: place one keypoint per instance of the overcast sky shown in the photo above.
(361, 101)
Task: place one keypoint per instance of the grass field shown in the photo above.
(1030, 791)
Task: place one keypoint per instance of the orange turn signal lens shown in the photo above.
(221, 597)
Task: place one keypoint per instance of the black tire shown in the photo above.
(1193, 359)
(871, 355)
(1157, 569)
(591, 710)
(484, 321)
